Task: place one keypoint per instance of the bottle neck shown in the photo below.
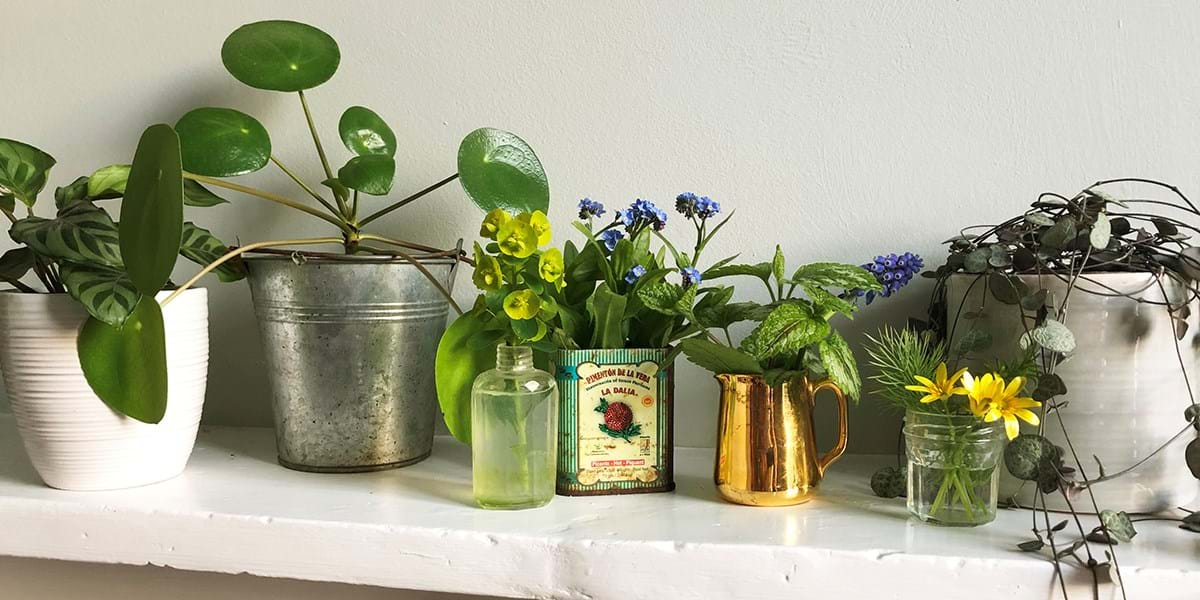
(514, 358)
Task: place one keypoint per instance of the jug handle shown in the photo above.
(827, 459)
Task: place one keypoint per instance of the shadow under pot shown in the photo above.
(350, 343)
(766, 442)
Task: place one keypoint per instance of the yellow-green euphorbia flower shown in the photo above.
(993, 400)
(493, 222)
(522, 304)
(517, 239)
(488, 275)
(550, 265)
(940, 387)
(541, 225)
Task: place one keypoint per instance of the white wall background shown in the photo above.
(839, 130)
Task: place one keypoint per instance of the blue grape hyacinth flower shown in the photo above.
(892, 271)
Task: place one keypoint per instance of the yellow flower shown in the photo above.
(493, 222)
(522, 304)
(550, 265)
(541, 225)
(992, 400)
(517, 239)
(487, 271)
(940, 387)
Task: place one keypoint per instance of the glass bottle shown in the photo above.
(514, 432)
(952, 468)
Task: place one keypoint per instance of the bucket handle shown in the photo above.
(827, 459)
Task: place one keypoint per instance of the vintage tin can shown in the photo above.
(616, 414)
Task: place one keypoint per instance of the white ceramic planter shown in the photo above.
(1126, 392)
(75, 441)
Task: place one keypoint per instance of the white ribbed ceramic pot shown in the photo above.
(74, 440)
(1126, 392)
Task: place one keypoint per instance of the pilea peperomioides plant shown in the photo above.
(113, 268)
(497, 169)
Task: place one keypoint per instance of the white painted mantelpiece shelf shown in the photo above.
(234, 510)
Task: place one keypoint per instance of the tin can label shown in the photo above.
(615, 420)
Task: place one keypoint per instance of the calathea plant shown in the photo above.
(496, 168)
(113, 268)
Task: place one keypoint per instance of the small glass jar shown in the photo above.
(514, 432)
(953, 477)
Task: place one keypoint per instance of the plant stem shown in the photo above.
(411, 198)
(305, 186)
(238, 252)
(267, 196)
(312, 128)
(441, 288)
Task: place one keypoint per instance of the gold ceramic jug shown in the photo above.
(766, 445)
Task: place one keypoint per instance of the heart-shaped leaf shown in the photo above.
(152, 211)
(222, 142)
(284, 56)
(1054, 336)
(127, 366)
(1101, 232)
(363, 132)
(82, 233)
(1118, 525)
(202, 247)
(371, 174)
(107, 294)
(497, 169)
(23, 171)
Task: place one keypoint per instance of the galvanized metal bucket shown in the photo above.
(350, 344)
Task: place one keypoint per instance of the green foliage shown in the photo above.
(200, 246)
(23, 173)
(826, 274)
(127, 366)
(370, 174)
(786, 331)
(365, 133)
(718, 358)
(82, 233)
(1118, 525)
(839, 364)
(107, 294)
(499, 170)
(898, 356)
(109, 182)
(608, 312)
(283, 56)
(458, 363)
(222, 142)
(152, 212)
(14, 264)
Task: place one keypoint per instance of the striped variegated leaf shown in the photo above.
(106, 294)
(82, 233)
(202, 247)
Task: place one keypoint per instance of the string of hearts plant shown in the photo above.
(496, 168)
(1069, 239)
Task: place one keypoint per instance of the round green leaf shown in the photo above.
(499, 170)
(151, 223)
(222, 142)
(284, 56)
(371, 174)
(127, 366)
(364, 133)
(23, 171)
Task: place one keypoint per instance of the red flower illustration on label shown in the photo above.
(618, 420)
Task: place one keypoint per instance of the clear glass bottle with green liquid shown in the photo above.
(514, 432)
